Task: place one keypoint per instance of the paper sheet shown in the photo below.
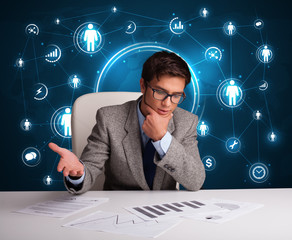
(229, 210)
(172, 209)
(63, 207)
(123, 224)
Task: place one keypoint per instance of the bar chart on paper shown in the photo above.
(169, 210)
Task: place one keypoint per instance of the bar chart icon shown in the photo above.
(52, 53)
(176, 26)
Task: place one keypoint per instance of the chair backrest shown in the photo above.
(84, 112)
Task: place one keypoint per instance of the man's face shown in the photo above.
(169, 84)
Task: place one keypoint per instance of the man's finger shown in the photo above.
(65, 172)
(73, 173)
(61, 165)
(56, 148)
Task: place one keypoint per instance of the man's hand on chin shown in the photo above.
(156, 123)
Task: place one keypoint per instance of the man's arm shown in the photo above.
(94, 154)
(182, 160)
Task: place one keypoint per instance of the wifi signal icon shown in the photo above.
(52, 53)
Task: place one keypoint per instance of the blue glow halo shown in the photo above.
(123, 72)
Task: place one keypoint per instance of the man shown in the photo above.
(145, 144)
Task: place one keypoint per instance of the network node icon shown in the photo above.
(88, 38)
(176, 26)
(259, 172)
(257, 115)
(25, 125)
(213, 54)
(229, 28)
(209, 163)
(114, 9)
(229, 93)
(32, 30)
(130, 27)
(258, 24)
(47, 180)
(263, 85)
(57, 21)
(61, 122)
(272, 137)
(264, 54)
(19, 62)
(204, 12)
(203, 129)
(233, 145)
(52, 53)
(31, 157)
(40, 91)
(74, 81)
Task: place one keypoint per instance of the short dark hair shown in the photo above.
(165, 63)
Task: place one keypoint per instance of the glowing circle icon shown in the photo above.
(57, 21)
(31, 157)
(74, 81)
(40, 91)
(203, 129)
(204, 12)
(258, 24)
(233, 145)
(176, 26)
(47, 180)
(130, 27)
(32, 30)
(259, 172)
(272, 137)
(52, 53)
(61, 122)
(264, 54)
(263, 85)
(19, 62)
(209, 163)
(257, 115)
(25, 125)
(213, 54)
(88, 38)
(229, 93)
(114, 9)
(229, 28)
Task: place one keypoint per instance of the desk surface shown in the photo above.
(271, 222)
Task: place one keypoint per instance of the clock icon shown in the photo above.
(258, 172)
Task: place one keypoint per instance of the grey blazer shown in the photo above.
(114, 147)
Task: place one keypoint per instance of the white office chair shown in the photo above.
(83, 118)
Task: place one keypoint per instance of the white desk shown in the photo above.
(272, 222)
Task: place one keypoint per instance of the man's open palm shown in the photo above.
(69, 164)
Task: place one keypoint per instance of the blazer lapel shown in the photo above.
(133, 146)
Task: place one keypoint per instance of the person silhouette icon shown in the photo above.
(66, 121)
(90, 36)
(266, 54)
(232, 92)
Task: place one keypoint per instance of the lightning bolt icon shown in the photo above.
(39, 91)
(129, 26)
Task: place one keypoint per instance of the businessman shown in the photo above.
(146, 144)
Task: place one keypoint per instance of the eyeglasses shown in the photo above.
(162, 95)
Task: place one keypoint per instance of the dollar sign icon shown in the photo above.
(209, 162)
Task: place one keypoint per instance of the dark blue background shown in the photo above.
(232, 169)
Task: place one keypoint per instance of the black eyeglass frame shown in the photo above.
(183, 95)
